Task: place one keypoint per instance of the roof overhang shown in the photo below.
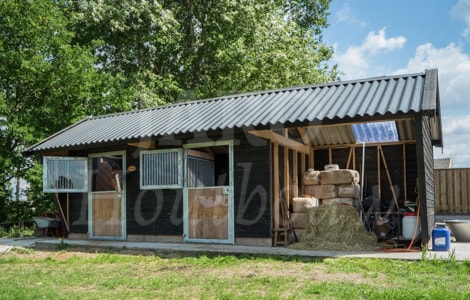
(322, 113)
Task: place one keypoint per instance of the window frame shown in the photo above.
(179, 169)
(82, 175)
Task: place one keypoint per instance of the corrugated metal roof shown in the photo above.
(388, 95)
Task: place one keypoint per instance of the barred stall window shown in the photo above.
(65, 174)
(161, 169)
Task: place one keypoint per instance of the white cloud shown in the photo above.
(346, 15)
(380, 55)
(376, 43)
(354, 62)
(456, 140)
(454, 72)
(453, 65)
(461, 11)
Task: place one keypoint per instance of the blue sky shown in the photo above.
(374, 38)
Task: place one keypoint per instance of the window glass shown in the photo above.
(375, 132)
(107, 173)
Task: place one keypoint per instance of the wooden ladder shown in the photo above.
(284, 235)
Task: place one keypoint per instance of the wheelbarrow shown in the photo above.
(48, 224)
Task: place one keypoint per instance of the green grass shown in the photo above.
(66, 274)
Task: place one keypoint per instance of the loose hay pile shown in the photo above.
(335, 227)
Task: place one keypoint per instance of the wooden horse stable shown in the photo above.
(225, 170)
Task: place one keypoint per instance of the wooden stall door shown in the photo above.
(107, 214)
(208, 213)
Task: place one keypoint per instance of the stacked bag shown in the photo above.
(298, 216)
(332, 186)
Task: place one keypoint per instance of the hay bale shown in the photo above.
(299, 233)
(335, 227)
(351, 190)
(311, 177)
(342, 176)
(300, 204)
(337, 201)
(298, 220)
(323, 191)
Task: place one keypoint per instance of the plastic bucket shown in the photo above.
(408, 226)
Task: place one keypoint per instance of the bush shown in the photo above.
(16, 231)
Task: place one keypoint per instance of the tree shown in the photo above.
(46, 82)
(251, 45)
(201, 48)
(137, 40)
(62, 60)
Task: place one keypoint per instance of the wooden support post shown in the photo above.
(302, 171)
(354, 158)
(389, 179)
(295, 174)
(311, 161)
(379, 190)
(68, 211)
(303, 167)
(349, 157)
(405, 188)
(276, 188)
(286, 184)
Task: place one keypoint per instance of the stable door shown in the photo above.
(208, 193)
(107, 196)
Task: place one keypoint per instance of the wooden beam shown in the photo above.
(357, 145)
(389, 178)
(57, 153)
(281, 140)
(143, 144)
(285, 132)
(200, 154)
(303, 135)
(395, 118)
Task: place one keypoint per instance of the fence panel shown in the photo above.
(452, 191)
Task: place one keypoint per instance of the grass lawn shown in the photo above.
(71, 274)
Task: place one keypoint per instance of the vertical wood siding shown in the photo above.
(429, 177)
(425, 165)
(452, 192)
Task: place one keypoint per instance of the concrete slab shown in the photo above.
(6, 244)
(458, 251)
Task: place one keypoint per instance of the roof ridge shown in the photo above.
(260, 92)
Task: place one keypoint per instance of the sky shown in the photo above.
(375, 38)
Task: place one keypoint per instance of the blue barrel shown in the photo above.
(440, 239)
